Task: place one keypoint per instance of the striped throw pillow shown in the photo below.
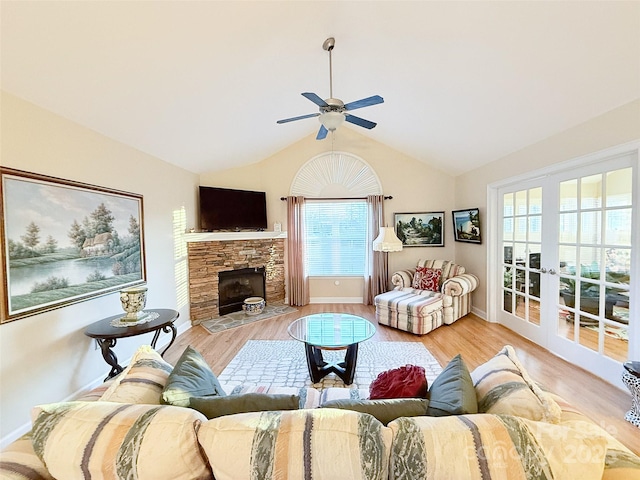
(80, 440)
(503, 386)
(309, 397)
(297, 444)
(499, 447)
(142, 381)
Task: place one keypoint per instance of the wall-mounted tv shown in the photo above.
(227, 209)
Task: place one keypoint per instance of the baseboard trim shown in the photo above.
(480, 313)
(336, 300)
(20, 431)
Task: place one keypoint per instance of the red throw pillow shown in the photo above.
(427, 278)
(409, 381)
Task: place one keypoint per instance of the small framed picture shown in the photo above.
(422, 229)
(466, 225)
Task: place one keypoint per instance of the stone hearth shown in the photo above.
(208, 258)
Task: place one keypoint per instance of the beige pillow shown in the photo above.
(142, 381)
(503, 386)
(500, 447)
(297, 445)
(79, 440)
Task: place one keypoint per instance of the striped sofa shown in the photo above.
(421, 311)
(120, 431)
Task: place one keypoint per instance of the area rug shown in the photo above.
(237, 319)
(282, 363)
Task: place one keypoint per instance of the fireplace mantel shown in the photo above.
(230, 236)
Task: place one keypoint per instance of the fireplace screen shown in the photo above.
(236, 285)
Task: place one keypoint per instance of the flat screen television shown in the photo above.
(227, 209)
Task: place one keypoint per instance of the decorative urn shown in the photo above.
(133, 301)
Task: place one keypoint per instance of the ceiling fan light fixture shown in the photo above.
(331, 120)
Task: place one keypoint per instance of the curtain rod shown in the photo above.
(338, 198)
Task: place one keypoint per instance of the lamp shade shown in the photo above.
(387, 241)
(331, 120)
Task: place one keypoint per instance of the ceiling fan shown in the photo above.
(333, 110)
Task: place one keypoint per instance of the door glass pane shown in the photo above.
(588, 333)
(507, 202)
(535, 228)
(568, 227)
(507, 228)
(619, 188)
(535, 200)
(617, 305)
(521, 229)
(591, 191)
(618, 231)
(569, 195)
(616, 342)
(590, 262)
(521, 203)
(590, 227)
(618, 265)
(567, 258)
(507, 253)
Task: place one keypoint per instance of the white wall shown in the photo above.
(46, 357)
(613, 128)
(415, 187)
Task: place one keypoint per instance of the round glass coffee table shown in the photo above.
(331, 331)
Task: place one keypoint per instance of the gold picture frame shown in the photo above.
(65, 242)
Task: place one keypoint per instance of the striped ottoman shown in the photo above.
(411, 310)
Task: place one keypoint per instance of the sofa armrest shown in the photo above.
(18, 461)
(460, 285)
(402, 279)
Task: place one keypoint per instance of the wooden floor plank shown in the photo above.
(471, 336)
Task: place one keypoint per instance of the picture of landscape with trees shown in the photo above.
(66, 242)
(420, 229)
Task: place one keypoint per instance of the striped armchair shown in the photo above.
(421, 311)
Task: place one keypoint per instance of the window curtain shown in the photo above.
(377, 267)
(297, 276)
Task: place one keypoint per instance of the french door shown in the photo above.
(565, 256)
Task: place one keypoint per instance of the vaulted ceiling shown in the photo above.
(201, 84)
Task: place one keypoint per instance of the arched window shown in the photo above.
(336, 186)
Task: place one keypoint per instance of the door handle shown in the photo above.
(543, 270)
(552, 271)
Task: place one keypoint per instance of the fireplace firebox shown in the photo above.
(236, 285)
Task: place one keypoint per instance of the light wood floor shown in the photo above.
(476, 339)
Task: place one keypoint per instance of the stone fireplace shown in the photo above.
(208, 258)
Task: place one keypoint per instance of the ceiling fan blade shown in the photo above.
(365, 102)
(359, 121)
(293, 119)
(322, 133)
(315, 99)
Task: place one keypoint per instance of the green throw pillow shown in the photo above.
(213, 407)
(191, 377)
(385, 410)
(452, 392)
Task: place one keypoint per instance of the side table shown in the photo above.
(631, 378)
(106, 334)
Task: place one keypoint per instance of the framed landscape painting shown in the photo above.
(466, 225)
(64, 242)
(420, 229)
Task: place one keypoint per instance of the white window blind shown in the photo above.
(336, 237)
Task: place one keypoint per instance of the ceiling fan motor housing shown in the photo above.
(333, 105)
